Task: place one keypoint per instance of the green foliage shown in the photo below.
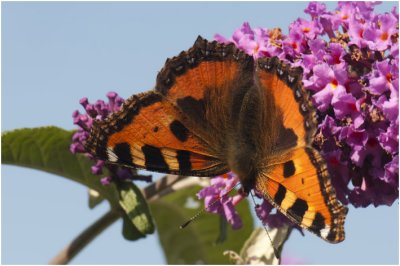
(137, 210)
(47, 149)
(200, 242)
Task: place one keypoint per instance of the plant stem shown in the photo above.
(69, 252)
(161, 187)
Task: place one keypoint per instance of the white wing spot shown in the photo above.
(324, 232)
(112, 157)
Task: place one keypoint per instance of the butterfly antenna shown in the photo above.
(276, 252)
(194, 217)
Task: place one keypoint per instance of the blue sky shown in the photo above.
(53, 54)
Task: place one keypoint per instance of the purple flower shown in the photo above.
(315, 9)
(357, 31)
(295, 43)
(335, 54)
(99, 110)
(350, 66)
(379, 32)
(345, 105)
(381, 78)
(217, 201)
(342, 15)
(310, 29)
(257, 42)
(392, 172)
(269, 216)
(389, 139)
(328, 83)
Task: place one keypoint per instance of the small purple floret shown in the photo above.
(100, 110)
(217, 200)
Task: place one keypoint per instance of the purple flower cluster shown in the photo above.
(216, 198)
(350, 61)
(99, 110)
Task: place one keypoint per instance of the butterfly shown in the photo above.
(215, 109)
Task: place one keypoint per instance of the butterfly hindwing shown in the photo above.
(148, 133)
(295, 188)
(295, 177)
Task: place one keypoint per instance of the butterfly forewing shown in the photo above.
(149, 133)
(179, 127)
(201, 83)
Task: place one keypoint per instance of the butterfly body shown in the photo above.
(215, 109)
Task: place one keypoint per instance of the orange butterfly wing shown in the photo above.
(148, 133)
(297, 181)
(294, 187)
(202, 82)
(171, 129)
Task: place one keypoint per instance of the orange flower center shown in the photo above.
(306, 30)
(345, 16)
(352, 106)
(384, 36)
(389, 77)
(334, 84)
(336, 59)
(255, 50)
(294, 45)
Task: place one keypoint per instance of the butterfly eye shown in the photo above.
(291, 79)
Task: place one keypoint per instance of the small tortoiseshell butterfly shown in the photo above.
(215, 109)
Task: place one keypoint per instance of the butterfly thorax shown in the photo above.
(252, 140)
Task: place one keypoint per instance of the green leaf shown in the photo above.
(47, 149)
(196, 243)
(129, 231)
(136, 208)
